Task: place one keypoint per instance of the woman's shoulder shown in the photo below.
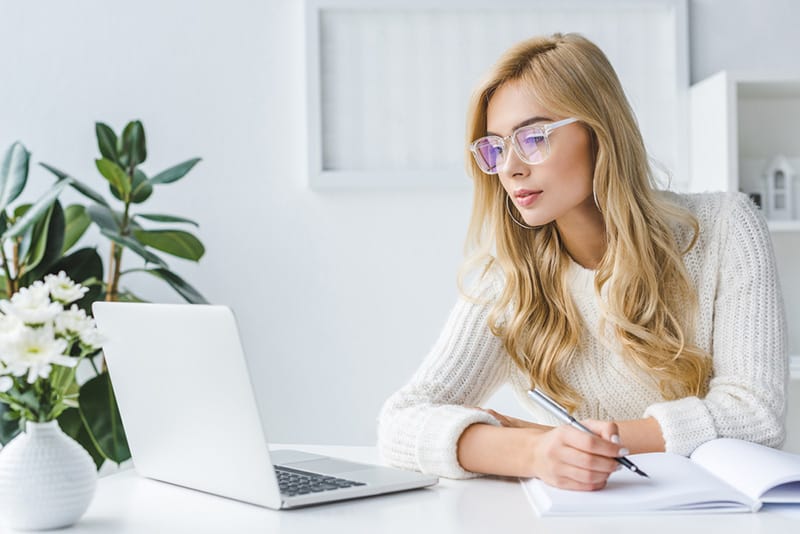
(482, 284)
(720, 213)
(709, 206)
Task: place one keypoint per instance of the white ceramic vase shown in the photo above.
(47, 479)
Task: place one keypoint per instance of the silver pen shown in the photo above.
(557, 410)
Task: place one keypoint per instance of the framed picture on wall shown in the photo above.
(388, 82)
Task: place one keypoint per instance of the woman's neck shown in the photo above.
(583, 234)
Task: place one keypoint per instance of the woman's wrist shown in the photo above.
(641, 435)
(500, 451)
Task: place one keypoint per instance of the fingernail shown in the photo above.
(624, 452)
(615, 439)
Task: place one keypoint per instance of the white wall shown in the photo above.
(339, 295)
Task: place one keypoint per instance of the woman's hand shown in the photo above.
(563, 456)
(568, 458)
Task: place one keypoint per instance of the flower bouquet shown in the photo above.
(47, 479)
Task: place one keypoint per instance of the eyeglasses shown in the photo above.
(531, 143)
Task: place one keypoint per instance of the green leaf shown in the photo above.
(47, 243)
(176, 242)
(140, 188)
(100, 415)
(71, 423)
(36, 211)
(106, 141)
(76, 184)
(105, 218)
(13, 173)
(134, 246)
(173, 174)
(116, 177)
(178, 284)
(165, 218)
(133, 144)
(77, 222)
(9, 424)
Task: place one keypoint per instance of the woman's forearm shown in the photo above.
(497, 450)
(641, 435)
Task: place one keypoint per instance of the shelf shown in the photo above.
(784, 226)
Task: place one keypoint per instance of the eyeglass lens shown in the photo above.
(530, 142)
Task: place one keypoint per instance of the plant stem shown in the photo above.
(10, 289)
(115, 262)
(111, 291)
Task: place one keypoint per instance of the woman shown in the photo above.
(656, 318)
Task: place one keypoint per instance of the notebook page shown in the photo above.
(753, 469)
(676, 484)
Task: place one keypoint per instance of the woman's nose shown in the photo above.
(512, 165)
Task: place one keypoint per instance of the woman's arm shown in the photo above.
(420, 425)
(561, 456)
(641, 435)
(746, 396)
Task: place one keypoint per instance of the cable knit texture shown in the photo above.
(740, 322)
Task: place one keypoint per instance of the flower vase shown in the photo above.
(47, 480)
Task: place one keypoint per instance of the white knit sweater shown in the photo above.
(740, 321)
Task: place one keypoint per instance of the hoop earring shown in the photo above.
(511, 214)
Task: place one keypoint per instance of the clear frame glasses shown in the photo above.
(531, 143)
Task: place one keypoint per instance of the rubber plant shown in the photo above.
(40, 238)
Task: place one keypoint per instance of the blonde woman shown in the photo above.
(656, 318)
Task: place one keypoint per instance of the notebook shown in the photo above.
(722, 475)
(191, 416)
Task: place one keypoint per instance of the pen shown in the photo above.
(557, 410)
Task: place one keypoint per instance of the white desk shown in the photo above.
(125, 503)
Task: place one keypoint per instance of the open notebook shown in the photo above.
(723, 475)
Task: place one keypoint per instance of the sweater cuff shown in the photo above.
(438, 442)
(685, 424)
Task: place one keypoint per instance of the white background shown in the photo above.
(339, 295)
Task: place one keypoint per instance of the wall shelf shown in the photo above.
(784, 226)
(739, 122)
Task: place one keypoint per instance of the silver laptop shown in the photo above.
(187, 403)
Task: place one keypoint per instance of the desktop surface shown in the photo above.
(126, 503)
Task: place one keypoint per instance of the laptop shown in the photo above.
(191, 417)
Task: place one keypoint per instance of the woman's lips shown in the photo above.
(526, 197)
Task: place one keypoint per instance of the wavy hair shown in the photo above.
(650, 303)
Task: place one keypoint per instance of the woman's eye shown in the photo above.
(532, 139)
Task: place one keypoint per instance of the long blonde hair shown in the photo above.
(651, 303)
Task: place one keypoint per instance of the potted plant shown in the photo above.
(40, 238)
(47, 480)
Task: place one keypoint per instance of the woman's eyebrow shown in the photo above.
(526, 122)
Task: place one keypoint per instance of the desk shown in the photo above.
(125, 503)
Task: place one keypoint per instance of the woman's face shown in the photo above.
(560, 186)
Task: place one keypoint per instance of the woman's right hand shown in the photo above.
(567, 458)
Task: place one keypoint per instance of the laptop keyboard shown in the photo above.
(295, 482)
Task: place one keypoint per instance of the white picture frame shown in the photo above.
(388, 82)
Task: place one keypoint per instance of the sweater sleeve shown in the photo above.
(747, 392)
(419, 426)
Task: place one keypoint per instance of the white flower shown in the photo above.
(32, 305)
(10, 326)
(34, 352)
(73, 322)
(5, 383)
(92, 338)
(64, 290)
